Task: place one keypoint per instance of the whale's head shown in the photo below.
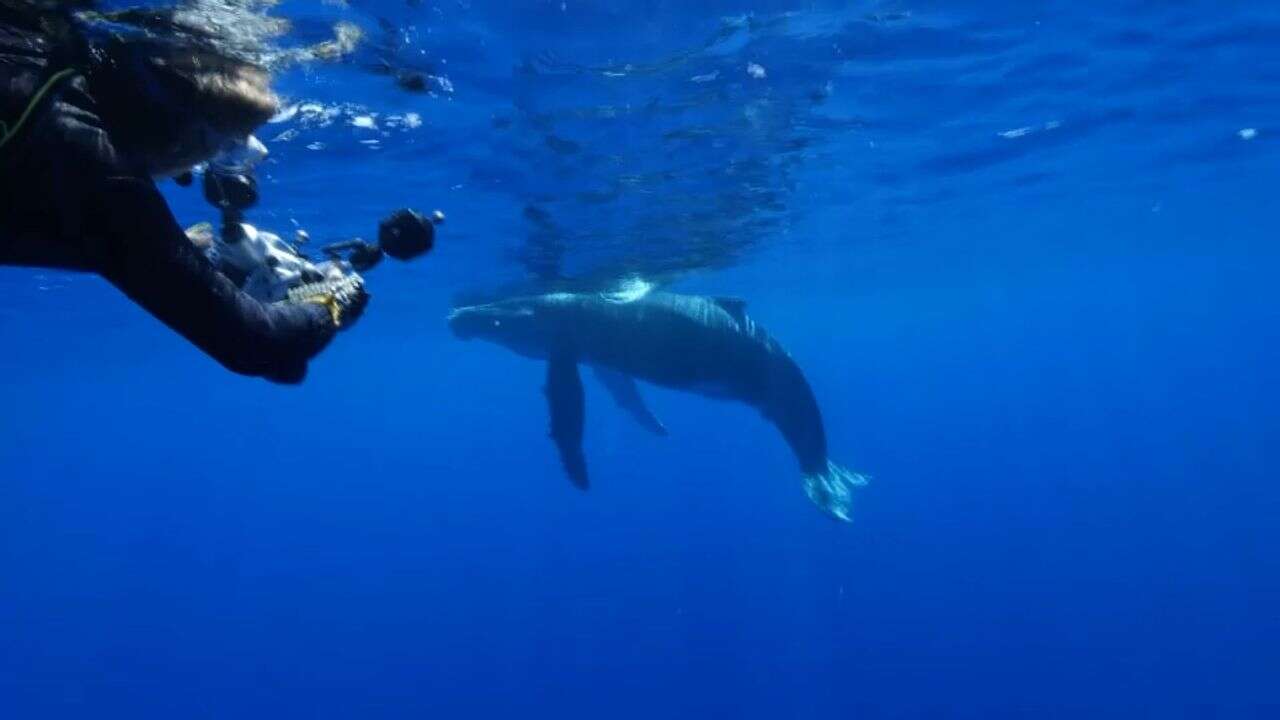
(524, 325)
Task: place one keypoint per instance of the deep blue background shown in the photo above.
(1055, 353)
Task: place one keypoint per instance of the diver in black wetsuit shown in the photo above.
(89, 118)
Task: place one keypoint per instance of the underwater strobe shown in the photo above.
(229, 184)
(404, 235)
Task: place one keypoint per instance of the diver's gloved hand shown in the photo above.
(345, 298)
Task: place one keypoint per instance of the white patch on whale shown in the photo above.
(628, 290)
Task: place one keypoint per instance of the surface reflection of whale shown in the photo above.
(684, 342)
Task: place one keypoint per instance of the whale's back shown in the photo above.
(683, 341)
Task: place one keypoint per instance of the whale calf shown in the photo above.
(705, 345)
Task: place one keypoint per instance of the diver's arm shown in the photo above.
(145, 253)
(97, 212)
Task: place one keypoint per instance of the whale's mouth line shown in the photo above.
(456, 320)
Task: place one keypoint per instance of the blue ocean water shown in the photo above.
(1024, 253)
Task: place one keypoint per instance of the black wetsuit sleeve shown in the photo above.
(145, 253)
(79, 204)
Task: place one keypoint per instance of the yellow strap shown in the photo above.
(7, 134)
(325, 300)
(335, 310)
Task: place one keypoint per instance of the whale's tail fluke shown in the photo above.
(832, 490)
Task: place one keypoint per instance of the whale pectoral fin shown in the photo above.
(624, 391)
(566, 403)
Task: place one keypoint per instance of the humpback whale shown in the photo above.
(705, 345)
